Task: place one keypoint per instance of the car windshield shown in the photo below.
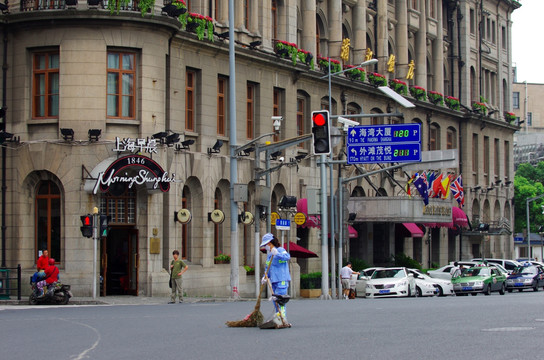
(475, 272)
(525, 270)
(388, 273)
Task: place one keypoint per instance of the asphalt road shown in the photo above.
(482, 327)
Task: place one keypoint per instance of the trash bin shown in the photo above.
(4, 284)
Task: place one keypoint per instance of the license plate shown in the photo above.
(518, 284)
(384, 291)
(467, 288)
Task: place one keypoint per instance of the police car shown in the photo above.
(527, 276)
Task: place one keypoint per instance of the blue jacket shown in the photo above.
(279, 269)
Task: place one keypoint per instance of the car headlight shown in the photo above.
(528, 280)
(478, 283)
(368, 286)
(402, 283)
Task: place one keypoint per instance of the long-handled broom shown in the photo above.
(256, 318)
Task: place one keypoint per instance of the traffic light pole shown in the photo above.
(96, 225)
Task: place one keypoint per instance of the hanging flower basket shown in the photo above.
(417, 92)
(200, 24)
(377, 79)
(324, 65)
(286, 49)
(435, 97)
(355, 73)
(479, 107)
(306, 57)
(398, 86)
(452, 102)
(250, 270)
(509, 117)
(221, 259)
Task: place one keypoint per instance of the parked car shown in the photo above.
(428, 286)
(359, 281)
(525, 277)
(509, 265)
(391, 282)
(479, 279)
(443, 272)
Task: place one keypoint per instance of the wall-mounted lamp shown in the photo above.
(173, 10)
(223, 35)
(475, 188)
(507, 183)
(4, 8)
(498, 182)
(254, 44)
(184, 145)
(351, 217)
(298, 158)
(490, 188)
(67, 134)
(483, 227)
(94, 134)
(160, 136)
(274, 155)
(5, 136)
(172, 139)
(216, 147)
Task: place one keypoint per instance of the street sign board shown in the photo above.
(384, 143)
(283, 224)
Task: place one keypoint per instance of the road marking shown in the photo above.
(512, 328)
(84, 353)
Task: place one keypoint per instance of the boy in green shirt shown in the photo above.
(177, 268)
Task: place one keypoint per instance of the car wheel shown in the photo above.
(474, 294)
(418, 291)
(502, 290)
(488, 290)
(440, 291)
(535, 286)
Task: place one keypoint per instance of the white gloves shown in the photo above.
(263, 280)
(274, 251)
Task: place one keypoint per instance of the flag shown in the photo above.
(446, 187)
(430, 179)
(409, 183)
(457, 190)
(421, 186)
(437, 186)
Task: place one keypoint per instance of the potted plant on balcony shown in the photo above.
(452, 102)
(286, 49)
(200, 24)
(145, 6)
(479, 107)
(306, 57)
(510, 117)
(377, 79)
(334, 64)
(250, 270)
(115, 5)
(398, 86)
(221, 259)
(355, 73)
(417, 92)
(435, 97)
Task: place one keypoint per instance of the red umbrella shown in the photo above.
(297, 251)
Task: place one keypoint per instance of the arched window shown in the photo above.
(434, 137)
(473, 85)
(47, 219)
(274, 19)
(303, 114)
(451, 138)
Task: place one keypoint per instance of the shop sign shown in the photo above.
(150, 173)
(136, 145)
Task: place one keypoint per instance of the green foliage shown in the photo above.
(115, 5)
(402, 259)
(528, 184)
(358, 264)
(311, 280)
(145, 6)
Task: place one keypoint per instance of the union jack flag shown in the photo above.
(457, 190)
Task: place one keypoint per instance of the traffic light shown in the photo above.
(104, 220)
(321, 135)
(87, 228)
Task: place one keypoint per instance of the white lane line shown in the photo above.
(83, 354)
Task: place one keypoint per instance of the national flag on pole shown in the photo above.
(437, 186)
(446, 187)
(409, 184)
(457, 190)
(430, 179)
(421, 186)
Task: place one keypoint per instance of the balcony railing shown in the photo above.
(37, 5)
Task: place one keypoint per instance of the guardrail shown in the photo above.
(10, 281)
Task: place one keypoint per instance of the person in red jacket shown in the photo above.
(43, 261)
(51, 276)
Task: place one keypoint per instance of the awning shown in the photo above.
(312, 220)
(353, 234)
(413, 229)
(459, 220)
(296, 250)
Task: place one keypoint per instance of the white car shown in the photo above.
(358, 282)
(428, 286)
(443, 272)
(391, 282)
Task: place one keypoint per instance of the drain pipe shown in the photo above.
(4, 155)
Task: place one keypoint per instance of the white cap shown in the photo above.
(266, 239)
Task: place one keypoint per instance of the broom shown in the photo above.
(256, 318)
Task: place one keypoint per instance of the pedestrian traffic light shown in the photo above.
(104, 221)
(321, 135)
(87, 228)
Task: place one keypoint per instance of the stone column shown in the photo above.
(309, 26)
(335, 29)
(421, 47)
(359, 32)
(401, 34)
(238, 14)
(254, 16)
(382, 51)
(438, 54)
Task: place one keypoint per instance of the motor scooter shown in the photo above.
(55, 293)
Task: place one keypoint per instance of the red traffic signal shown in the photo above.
(321, 132)
(87, 228)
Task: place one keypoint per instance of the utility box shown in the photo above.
(4, 284)
(314, 201)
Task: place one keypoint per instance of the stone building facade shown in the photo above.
(145, 79)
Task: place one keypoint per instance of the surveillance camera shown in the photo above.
(276, 122)
(347, 122)
(278, 118)
(281, 159)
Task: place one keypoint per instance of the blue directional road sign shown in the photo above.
(384, 143)
(283, 224)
